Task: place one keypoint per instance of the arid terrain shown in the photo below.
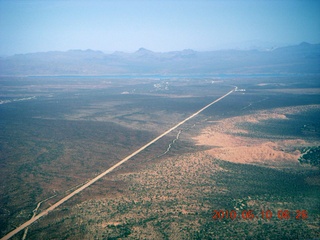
(173, 197)
(243, 153)
(231, 142)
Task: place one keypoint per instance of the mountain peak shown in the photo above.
(304, 44)
(302, 58)
(143, 50)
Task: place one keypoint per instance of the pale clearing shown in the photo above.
(228, 144)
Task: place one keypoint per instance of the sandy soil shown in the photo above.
(226, 145)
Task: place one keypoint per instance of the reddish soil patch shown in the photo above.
(230, 147)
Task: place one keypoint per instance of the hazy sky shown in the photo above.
(33, 26)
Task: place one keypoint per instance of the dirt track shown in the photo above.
(57, 204)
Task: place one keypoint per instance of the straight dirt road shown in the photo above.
(57, 204)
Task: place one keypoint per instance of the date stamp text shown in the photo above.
(267, 215)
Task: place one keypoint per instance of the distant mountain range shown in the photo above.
(303, 58)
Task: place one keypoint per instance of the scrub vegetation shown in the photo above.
(255, 150)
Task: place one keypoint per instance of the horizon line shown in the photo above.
(107, 52)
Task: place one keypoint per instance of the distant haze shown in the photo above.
(40, 26)
(300, 59)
